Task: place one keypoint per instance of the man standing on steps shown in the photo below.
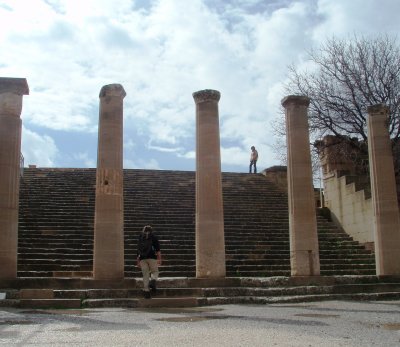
(148, 259)
(253, 159)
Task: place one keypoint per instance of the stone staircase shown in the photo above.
(189, 292)
(57, 214)
(56, 246)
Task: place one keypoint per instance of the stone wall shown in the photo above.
(347, 189)
(350, 208)
(278, 175)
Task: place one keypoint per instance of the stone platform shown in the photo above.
(191, 292)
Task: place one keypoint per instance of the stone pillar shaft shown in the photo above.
(304, 249)
(108, 260)
(384, 197)
(11, 94)
(210, 240)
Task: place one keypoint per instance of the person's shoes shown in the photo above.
(153, 286)
(146, 295)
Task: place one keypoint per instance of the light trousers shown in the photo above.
(149, 268)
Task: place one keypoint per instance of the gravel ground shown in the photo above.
(329, 323)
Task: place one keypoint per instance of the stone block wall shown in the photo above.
(278, 175)
(350, 208)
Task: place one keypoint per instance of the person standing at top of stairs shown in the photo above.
(148, 259)
(253, 159)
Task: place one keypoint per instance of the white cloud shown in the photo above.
(83, 157)
(129, 145)
(38, 150)
(150, 164)
(234, 155)
(166, 149)
(188, 155)
(367, 17)
(162, 52)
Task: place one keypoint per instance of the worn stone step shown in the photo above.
(50, 260)
(57, 268)
(298, 298)
(73, 274)
(49, 303)
(130, 302)
(256, 220)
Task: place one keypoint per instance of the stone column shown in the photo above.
(210, 240)
(11, 94)
(304, 249)
(108, 258)
(384, 197)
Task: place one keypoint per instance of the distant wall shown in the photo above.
(350, 206)
(278, 175)
(350, 209)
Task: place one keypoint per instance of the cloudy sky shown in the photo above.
(162, 51)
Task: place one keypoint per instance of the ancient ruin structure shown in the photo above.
(384, 197)
(108, 257)
(304, 251)
(108, 252)
(210, 243)
(11, 94)
(347, 186)
(220, 231)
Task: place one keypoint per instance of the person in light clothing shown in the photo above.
(253, 159)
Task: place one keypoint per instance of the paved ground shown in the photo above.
(330, 323)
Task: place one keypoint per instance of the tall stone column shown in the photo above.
(210, 240)
(11, 94)
(384, 197)
(304, 249)
(108, 260)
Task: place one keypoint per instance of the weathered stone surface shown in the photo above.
(115, 89)
(210, 255)
(12, 85)
(206, 95)
(36, 294)
(11, 93)
(108, 262)
(383, 188)
(298, 100)
(50, 303)
(304, 249)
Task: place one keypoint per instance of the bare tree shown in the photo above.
(351, 75)
(279, 147)
(348, 76)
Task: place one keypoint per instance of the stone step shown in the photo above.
(298, 298)
(281, 255)
(73, 274)
(188, 240)
(183, 260)
(267, 253)
(26, 257)
(50, 303)
(185, 282)
(170, 294)
(132, 302)
(57, 217)
(42, 298)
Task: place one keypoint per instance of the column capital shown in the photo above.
(17, 86)
(301, 100)
(377, 109)
(206, 95)
(112, 90)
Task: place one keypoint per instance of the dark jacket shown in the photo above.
(148, 246)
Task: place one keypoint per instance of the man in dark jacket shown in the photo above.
(148, 259)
